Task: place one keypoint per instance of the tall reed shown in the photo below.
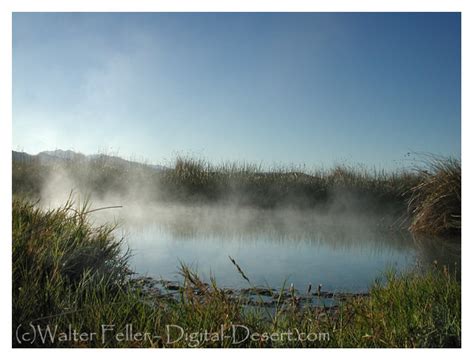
(435, 202)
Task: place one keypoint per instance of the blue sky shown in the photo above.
(297, 88)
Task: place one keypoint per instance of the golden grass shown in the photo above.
(435, 203)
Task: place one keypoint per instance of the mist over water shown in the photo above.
(270, 246)
(339, 247)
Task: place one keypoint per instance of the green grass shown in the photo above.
(70, 274)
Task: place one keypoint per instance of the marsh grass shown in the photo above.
(196, 181)
(56, 253)
(435, 202)
(71, 274)
(245, 184)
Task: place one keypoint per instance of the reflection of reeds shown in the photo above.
(444, 250)
(435, 203)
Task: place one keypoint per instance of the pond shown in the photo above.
(344, 252)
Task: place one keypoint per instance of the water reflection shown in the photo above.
(443, 251)
(344, 253)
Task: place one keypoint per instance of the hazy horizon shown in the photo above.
(312, 89)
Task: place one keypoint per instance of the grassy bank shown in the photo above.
(69, 275)
(428, 198)
(197, 181)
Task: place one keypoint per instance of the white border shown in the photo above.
(9, 6)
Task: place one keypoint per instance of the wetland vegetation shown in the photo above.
(71, 268)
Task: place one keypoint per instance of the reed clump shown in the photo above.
(57, 253)
(435, 202)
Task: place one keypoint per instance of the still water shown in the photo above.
(344, 253)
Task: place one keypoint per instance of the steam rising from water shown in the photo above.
(140, 209)
(337, 246)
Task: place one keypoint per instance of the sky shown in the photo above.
(313, 89)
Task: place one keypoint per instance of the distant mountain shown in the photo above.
(59, 155)
(112, 159)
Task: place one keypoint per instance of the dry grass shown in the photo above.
(435, 203)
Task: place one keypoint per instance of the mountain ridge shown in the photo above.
(60, 155)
